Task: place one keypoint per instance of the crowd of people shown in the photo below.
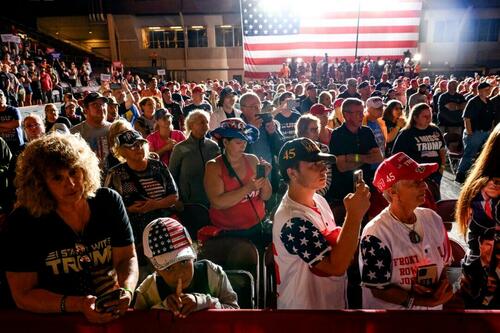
(339, 176)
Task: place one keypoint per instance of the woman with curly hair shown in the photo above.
(69, 240)
(478, 216)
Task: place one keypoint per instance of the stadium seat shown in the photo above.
(194, 216)
(454, 150)
(244, 286)
(446, 209)
(269, 277)
(233, 254)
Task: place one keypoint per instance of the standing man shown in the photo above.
(312, 98)
(478, 122)
(311, 253)
(95, 128)
(198, 102)
(10, 125)
(351, 91)
(355, 147)
(450, 108)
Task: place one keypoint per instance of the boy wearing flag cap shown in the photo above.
(311, 253)
(180, 284)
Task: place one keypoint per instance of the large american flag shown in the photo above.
(274, 30)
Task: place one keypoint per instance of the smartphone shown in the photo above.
(108, 297)
(357, 178)
(292, 104)
(115, 86)
(427, 275)
(261, 171)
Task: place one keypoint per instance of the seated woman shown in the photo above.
(403, 240)
(236, 196)
(478, 217)
(33, 127)
(145, 124)
(69, 240)
(166, 137)
(187, 162)
(308, 127)
(394, 122)
(145, 184)
(424, 143)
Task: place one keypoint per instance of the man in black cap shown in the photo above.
(364, 90)
(478, 122)
(312, 98)
(450, 106)
(95, 128)
(310, 250)
(351, 91)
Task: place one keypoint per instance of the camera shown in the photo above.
(266, 117)
(357, 178)
(261, 171)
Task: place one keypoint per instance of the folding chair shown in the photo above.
(454, 151)
(233, 254)
(244, 286)
(194, 217)
(269, 277)
(446, 209)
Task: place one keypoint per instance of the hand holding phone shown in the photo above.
(261, 171)
(357, 178)
(427, 275)
(114, 295)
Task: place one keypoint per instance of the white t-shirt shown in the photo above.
(388, 257)
(300, 240)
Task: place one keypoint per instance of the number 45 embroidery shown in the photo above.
(289, 154)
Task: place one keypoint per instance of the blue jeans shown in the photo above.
(472, 144)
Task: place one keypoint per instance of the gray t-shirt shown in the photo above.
(97, 138)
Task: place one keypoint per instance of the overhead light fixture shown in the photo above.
(176, 27)
(90, 32)
(154, 28)
(197, 27)
(226, 26)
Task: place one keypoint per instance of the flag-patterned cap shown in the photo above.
(166, 242)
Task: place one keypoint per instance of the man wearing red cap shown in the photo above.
(403, 240)
(198, 102)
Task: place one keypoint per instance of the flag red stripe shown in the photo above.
(362, 30)
(331, 45)
(369, 15)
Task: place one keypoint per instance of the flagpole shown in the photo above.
(357, 31)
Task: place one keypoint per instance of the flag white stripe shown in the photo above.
(368, 22)
(329, 38)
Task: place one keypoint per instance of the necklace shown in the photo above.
(415, 238)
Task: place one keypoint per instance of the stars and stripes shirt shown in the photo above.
(387, 257)
(300, 242)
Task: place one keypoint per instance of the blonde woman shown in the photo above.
(71, 240)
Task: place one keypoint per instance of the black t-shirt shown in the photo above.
(448, 117)
(346, 94)
(344, 142)
(59, 120)
(191, 107)
(287, 124)
(177, 116)
(479, 113)
(48, 246)
(421, 145)
(305, 105)
(383, 86)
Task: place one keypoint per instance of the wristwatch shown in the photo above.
(408, 303)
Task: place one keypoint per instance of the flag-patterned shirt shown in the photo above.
(387, 257)
(301, 238)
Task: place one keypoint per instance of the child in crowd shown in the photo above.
(180, 284)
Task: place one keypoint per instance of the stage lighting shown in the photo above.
(417, 57)
(299, 60)
(381, 62)
(288, 60)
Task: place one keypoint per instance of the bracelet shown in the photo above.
(356, 157)
(62, 304)
(130, 291)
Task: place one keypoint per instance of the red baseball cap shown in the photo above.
(319, 109)
(198, 90)
(401, 167)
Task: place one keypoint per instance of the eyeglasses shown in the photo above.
(313, 129)
(136, 146)
(32, 126)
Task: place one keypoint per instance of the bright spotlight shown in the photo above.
(299, 60)
(381, 62)
(417, 57)
(406, 60)
(288, 60)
